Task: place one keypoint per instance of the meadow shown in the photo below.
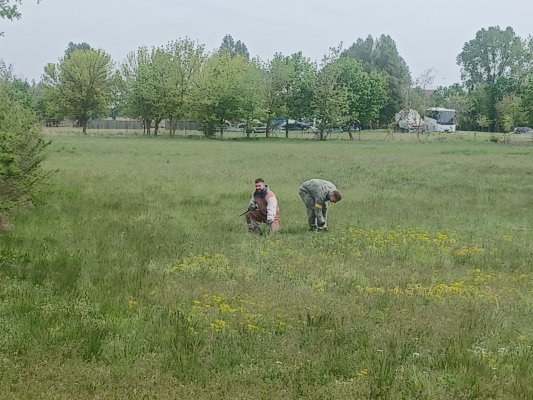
(135, 278)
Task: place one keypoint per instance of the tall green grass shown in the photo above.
(135, 278)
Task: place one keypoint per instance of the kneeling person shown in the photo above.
(263, 208)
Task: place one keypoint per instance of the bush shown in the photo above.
(21, 152)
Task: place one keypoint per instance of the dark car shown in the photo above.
(298, 126)
(278, 122)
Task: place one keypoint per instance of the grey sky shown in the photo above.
(427, 34)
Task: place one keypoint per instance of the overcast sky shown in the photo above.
(427, 34)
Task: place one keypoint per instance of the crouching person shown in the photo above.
(263, 208)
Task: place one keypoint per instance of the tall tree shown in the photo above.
(382, 54)
(527, 99)
(185, 61)
(494, 60)
(80, 84)
(229, 90)
(233, 48)
(276, 76)
(298, 94)
(493, 54)
(330, 97)
(71, 47)
(367, 92)
(160, 81)
(141, 92)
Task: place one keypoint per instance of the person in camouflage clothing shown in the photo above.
(315, 194)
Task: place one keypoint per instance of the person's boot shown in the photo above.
(313, 228)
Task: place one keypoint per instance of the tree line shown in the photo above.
(366, 83)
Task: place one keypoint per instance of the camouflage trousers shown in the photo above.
(312, 211)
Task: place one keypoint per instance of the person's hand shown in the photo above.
(252, 206)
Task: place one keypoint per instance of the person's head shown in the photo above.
(259, 184)
(334, 196)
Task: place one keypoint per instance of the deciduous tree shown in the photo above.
(79, 84)
(298, 93)
(382, 54)
(330, 102)
(140, 87)
(276, 76)
(233, 48)
(229, 90)
(494, 60)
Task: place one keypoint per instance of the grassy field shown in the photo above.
(134, 278)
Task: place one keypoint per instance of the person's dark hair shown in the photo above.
(336, 194)
(259, 180)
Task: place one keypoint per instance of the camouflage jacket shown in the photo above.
(318, 189)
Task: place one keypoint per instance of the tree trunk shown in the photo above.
(171, 122)
(156, 127)
(148, 126)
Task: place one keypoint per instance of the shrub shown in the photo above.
(21, 152)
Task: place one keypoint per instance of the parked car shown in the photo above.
(258, 127)
(298, 126)
(278, 122)
(523, 129)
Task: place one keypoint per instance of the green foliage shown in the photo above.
(232, 48)
(141, 97)
(158, 83)
(79, 85)
(491, 55)
(72, 47)
(382, 55)
(367, 91)
(493, 62)
(9, 11)
(330, 98)
(299, 91)
(527, 99)
(483, 121)
(511, 112)
(276, 77)
(21, 149)
(230, 89)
